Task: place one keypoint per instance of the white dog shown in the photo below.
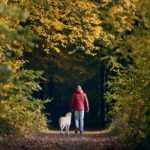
(65, 122)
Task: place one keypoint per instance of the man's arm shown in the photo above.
(72, 103)
(86, 103)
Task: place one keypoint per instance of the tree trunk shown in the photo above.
(102, 90)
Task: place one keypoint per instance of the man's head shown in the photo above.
(78, 88)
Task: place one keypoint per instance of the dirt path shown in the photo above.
(52, 140)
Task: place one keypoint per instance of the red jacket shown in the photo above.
(79, 101)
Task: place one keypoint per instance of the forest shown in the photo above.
(48, 47)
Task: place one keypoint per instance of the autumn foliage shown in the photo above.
(102, 44)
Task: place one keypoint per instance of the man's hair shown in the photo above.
(79, 87)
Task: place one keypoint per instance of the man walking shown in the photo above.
(79, 102)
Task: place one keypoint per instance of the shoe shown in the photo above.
(81, 132)
(76, 131)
